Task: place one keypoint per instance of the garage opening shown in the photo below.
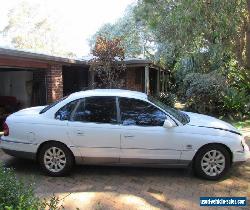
(20, 88)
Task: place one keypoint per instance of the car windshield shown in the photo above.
(180, 116)
(51, 105)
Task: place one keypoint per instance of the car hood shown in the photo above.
(29, 111)
(201, 120)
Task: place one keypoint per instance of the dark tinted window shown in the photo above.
(79, 114)
(137, 112)
(181, 116)
(65, 112)
(96, 109)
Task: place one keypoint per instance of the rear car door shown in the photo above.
(94, 129)
(143, 137)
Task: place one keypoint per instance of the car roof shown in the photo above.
(109, 92)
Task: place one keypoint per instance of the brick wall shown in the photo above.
(54, 81)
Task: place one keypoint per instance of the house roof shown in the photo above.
(77, 61)
(37, 56)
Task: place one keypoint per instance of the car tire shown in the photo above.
(56, 159)
(212, 162)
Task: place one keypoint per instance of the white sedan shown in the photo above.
(121, 127)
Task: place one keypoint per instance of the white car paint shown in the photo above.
(118, 143)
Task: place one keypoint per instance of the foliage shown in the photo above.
(108, 62)
(197, 38)
(237, 77)
(15, 194)
(29, 29)
(134, 37)
(168, 99)
(203, 92)
(236, 103)
(242, 124)
(193, 26)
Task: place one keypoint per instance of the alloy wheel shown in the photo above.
(54, 159)
(213, 163)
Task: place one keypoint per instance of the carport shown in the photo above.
(26, 85)
(32, 79)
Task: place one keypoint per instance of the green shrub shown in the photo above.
(168, 99)
(236, 103)
(15, 194)
(204, 92)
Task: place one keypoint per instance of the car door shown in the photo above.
(94, 129)
(143, 137)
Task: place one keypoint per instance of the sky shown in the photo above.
(76, 19)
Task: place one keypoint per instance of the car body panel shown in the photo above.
(119, 144)
(101, 141)
(149, 143)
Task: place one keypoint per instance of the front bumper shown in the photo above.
(242, 156)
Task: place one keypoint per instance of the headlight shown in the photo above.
(243, 142)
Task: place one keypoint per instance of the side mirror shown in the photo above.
(58, 117)
(169, 124)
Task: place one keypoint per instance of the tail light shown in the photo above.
(6, 130)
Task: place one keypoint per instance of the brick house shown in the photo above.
(38, 79)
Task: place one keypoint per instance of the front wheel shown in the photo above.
(56, 159)
(212, 162)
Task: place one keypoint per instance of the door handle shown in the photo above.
(129, 136)
(80, 133)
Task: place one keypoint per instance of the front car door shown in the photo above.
(144, 140)
(95, 131)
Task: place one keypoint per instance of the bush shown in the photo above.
(236, 103)
(168, 99)
(204, 92)
(15, 194)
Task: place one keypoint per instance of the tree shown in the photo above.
(194, 25)
(248, 37)
(108, 62)
(134, 37)
(200, 36)
(29, 29)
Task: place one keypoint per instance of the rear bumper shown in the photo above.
(20, 154)
(18, 149)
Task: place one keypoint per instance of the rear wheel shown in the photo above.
(56, 159)
(212, 162)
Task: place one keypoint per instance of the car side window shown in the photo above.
(65, 112)
(142, 113)
(99, 109)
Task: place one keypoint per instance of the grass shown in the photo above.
(242, 124)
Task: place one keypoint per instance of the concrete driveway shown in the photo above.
(96, 187)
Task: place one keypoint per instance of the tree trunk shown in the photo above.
(240, 44)
(248, 38)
